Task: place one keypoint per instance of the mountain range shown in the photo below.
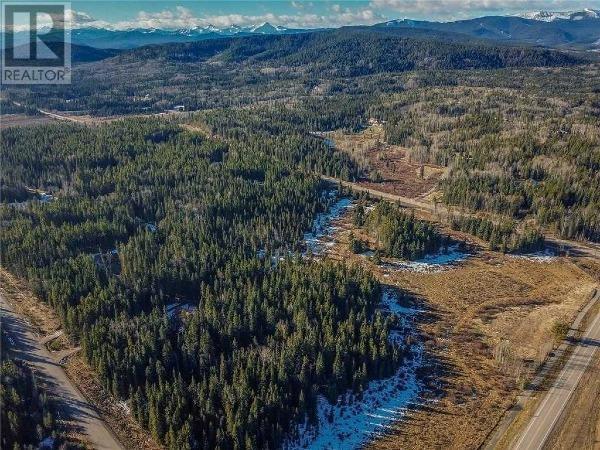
(125, 39)
(572, 30)
(105, 38)
(575, 30)
(551, 16)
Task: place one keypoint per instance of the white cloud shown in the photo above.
(77, 17)
(181, 17)
(452, 9)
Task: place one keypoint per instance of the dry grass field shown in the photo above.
(16, 120)
(486, 327)
(487, 301)
(388, 168)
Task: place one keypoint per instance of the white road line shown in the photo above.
(554, 395)
(590, 356)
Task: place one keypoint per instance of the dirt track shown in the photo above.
(72, 406)
(573, 248)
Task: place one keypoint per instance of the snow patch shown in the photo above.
(545, 256)
(47, 443)
(46, 198)
(389, 301)
(355, 420)
(329, 143)
(316, 240)
(437, 262)
(552, 16)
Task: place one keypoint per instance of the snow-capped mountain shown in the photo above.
(267, 28)
(579, 30)
(263, 28)
(570, 30)
(135, 37)
(551, 16)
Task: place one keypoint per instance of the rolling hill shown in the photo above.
(234, 71)
(356, 51)
(582, 33)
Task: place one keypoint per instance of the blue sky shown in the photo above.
(297, 13)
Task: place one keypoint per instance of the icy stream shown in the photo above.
(316, 239)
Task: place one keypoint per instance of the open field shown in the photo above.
(580, 346)
(487, 325)
(476, 308)
(577, 423)
(46, 116)
(388, 168)
(21, 120)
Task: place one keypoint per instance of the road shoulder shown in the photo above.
(114, 416)
(518, 417)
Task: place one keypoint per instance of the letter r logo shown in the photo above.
(36, 36)
(44, 45)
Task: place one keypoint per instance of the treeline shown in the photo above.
(399, 234)
(511, 152)
(187, 219)
(502, 236)
(9, 107)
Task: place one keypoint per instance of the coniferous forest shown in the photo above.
(193, 221)
(159, 240)
(400, 234)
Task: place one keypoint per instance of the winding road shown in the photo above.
(25, 345)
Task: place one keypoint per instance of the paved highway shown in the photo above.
(71, 405)
(541, 425)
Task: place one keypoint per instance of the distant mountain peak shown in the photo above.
(552, 16)
(396, 22)
(266, 28)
